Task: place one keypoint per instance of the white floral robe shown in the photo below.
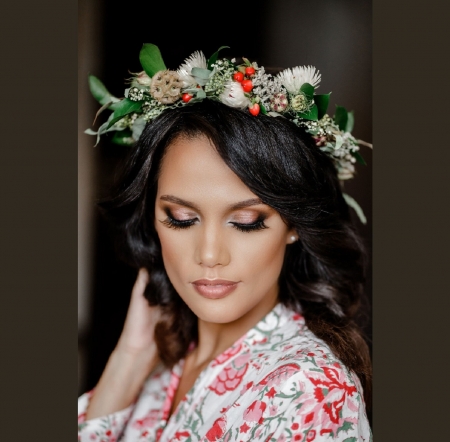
(279, 382)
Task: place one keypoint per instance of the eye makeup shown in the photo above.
(178, 224)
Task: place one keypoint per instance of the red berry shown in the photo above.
(247, 85)
(254, 109)
(238, 76)
(249, 70)
(186, 98)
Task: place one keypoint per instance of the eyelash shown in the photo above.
(185, 224)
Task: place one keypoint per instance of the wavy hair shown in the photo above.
(323, 272)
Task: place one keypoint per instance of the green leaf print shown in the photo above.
(345, 427)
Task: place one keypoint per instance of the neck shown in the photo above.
(215, 338)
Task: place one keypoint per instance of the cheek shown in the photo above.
(265, 255)
(172, 253)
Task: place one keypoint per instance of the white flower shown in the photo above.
(293, 79)
(196, 60)
(233, 95)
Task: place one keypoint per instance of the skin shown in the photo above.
(195, 184)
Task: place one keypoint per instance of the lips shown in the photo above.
(214, 288)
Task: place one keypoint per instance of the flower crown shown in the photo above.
(289, 94)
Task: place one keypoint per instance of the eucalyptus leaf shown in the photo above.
(138, 127)
(356, 207)
(322, 102)
(215, 56)
(308, 90)
(123, 138)
(99, 91)
(90, 132)
(201, 94)
(204, 74)
(126, 107)
(151, 59)
(339, 142)
(359, 158)
(350, 122)
(312, 114)
(341, 117)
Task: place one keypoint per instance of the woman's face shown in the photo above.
(211, 227)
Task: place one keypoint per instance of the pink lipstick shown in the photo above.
(214, 288)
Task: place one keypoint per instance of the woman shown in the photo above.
(240, 321)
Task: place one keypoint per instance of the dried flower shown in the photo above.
(279, 102)
(293, 79)
(166, 87)
(233, 95)
(143, 79)
(300, 103)
(196, 60)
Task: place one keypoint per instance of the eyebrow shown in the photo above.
(236, 206)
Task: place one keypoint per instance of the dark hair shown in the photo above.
(323, 272)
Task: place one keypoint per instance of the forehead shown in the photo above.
(192, 169)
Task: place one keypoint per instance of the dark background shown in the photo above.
(39, 227)
(335, 37)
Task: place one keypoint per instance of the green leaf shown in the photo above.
(350, 122)
(99, 91)
(312, 114)
(356, 207)
(151, 59)
(322, 104)
(263, 109)
(345, 427)
(308, 90)
(359, 158)
(215, 56)
(350, 439)
(341, 117)
(125, 107)
(123, 138)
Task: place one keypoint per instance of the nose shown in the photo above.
(212, 249)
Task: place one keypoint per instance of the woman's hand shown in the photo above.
(132, 360)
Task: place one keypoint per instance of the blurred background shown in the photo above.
(333, 36)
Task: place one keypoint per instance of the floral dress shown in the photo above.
(278, 382)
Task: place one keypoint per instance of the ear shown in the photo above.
(291, 236)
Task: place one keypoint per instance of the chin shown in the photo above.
(217, 311)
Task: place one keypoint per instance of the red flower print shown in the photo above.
(244, 428)
(309, 417)
(217, 430)
(108, 433)
(325, 431)
(294, 426)
(149, 420)
(81, 418)
(277, 376)
(255, 411)
(246, 387)
(311, 435)
(228, 354)
(332, 384)
(271, 393)
(180, 434)
(296, 317)
(230, 377)
(297, 436)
